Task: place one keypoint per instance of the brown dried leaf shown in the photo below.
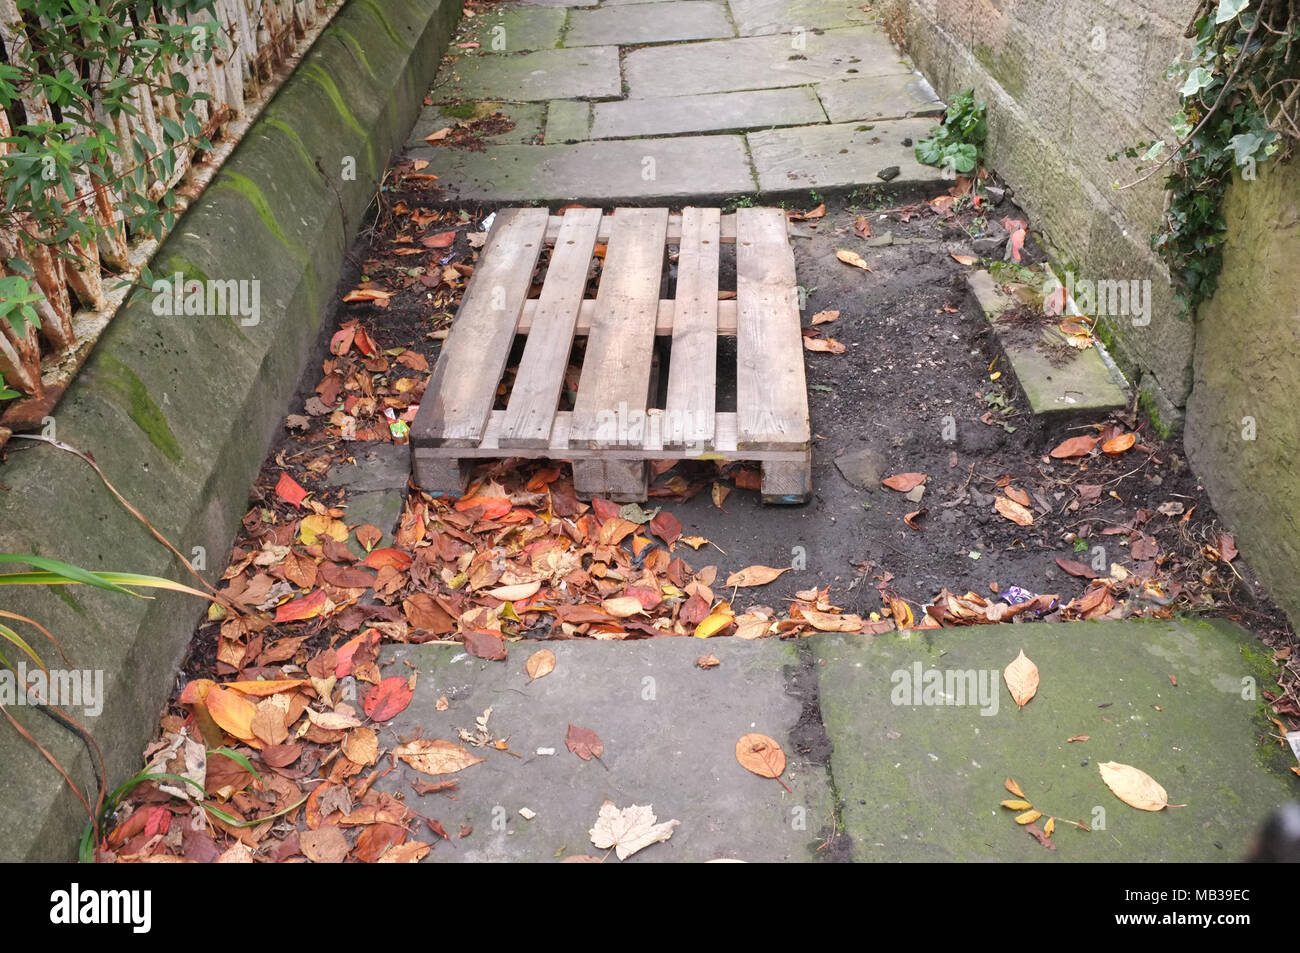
(584, 742)
(434, 756)
(540, 663)
(1013, 511)
(753, 576)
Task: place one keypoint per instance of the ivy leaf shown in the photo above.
(1244, 146)
(1156, 148)
(1197, 80)
(1229, 9)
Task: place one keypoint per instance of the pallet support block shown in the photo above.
(788, 483)
(623, 481)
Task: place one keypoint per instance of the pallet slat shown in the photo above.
(536, 392)
(458, 400)
(771, 392)
(692, 374)
(616, 370)
(663, 322)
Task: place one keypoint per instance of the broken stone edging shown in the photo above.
(179, 411)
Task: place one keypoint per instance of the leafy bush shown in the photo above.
(72, 89)
(959, 143)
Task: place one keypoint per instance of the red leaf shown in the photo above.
(584, 742)
(1075, 569)
(289, 490)
(379, 558)
(666, 526)
(387, 699)
(307, 607)
(485, 645)
(441, 240)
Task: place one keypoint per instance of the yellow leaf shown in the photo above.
(825, 345)
(825, 317)
(695, 542)
(964, 259)
(902, 613)
(540, 663)
(720, 618)
(1134, 786)
(317, 525)
(1050, 827)
(1015, 805)
(1021, 677)
(851, 258)
(1013, 787)
(1028, 817)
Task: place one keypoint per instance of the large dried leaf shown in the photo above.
(434, 756)
(1117, 445)
(760, 754)
(1021, 677)
(1013, 511)
(753, 576)
(541, 662)
(512, 593)
(630, 829)
(1134, 786)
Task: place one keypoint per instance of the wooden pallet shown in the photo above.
(611, 433)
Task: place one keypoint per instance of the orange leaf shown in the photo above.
(761, 755)
(1074, 447)
(289, 490)
(904, 482)
(232, 711)
(1117, 445)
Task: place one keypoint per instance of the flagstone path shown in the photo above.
(673, 99)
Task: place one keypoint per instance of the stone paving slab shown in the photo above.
(1085, 387)
(591, 72)
(841, 156)
(923, 782)
(763, 17)
(567, 120)
(879, 97)
(593, 172)
(761, 62)
(516, 29)
(711, 112)
(558, 3)
(663, 22)
(374, 486)
(669, 731)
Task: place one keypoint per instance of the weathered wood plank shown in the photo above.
(671, 237)
(535, 395)
(458, 400)
(616, 370)
(663, 323)
(692, 370)
(771, 393)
